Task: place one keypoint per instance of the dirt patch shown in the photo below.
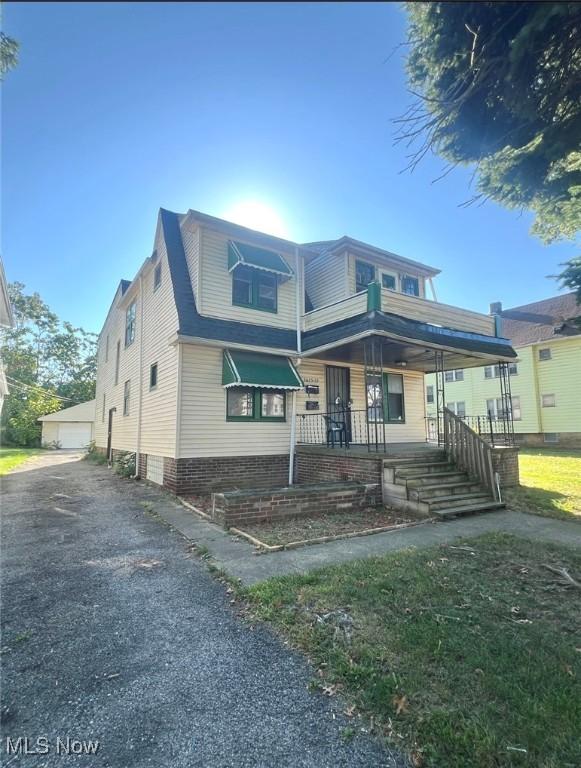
(281, 532)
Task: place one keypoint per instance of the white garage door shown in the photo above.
(74, 434)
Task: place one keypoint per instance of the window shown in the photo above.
(388, 281)
(157, 277)
(117, 360)
(548, 401)
(449, 375)
(516, 412)
(457, 375)
(107, 349)
(130, 324)
(458, 408)
(103, 411)
(494, 371)
(153, 376)
(253, 288)
(392, 409)
(430, 394)
(545, 354)
(250, 404)
(364, 274)
(551, 437)
(410, 285)
(126, 397)
(498, 408)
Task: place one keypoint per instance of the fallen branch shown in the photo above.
(565, 575)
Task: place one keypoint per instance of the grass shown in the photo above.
(465, 656)
(288, 530)
(550, 483)
(12, 457)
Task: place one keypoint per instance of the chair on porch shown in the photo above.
(335, 429)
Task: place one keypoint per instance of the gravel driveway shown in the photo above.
(114, 632)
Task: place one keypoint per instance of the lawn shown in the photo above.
(465, 656)
(12, 457)
(550, 483)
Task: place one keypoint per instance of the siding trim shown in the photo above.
(178, 431)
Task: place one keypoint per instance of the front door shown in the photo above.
(110, 433)
(337, 386)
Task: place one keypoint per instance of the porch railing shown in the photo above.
(342, 429)
(495, 430)
(469, 451)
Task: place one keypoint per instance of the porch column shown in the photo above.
(374, 394)
(506, 403)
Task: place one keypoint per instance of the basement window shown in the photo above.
(551, 437)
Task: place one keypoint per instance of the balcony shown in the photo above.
(339, 310)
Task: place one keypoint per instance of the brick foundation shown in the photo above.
(239, 508)
(316, 466)
(567, 440)
(505, 462)
(142, 468)
(224, 473)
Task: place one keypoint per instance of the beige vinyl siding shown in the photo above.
(191, 241)
(216, 286)
(326, 279)
(381, 266)
(428, 311)
(50, 432)
(204, 430)
(350, 307)
(156, 324)
(414, 428)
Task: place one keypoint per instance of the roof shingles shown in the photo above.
(542, 320)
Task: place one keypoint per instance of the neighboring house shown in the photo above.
(6, 321)
(545, 381)
(225, 333)
(72, 427)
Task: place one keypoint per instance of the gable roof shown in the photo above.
(331, 246)
(80, 412)
(542, 320)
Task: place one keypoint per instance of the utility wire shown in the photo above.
(25, 387)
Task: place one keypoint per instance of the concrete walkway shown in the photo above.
(240, 560)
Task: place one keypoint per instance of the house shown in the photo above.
(72, 427)
(6, 321)
(545, 382)
(233, 356)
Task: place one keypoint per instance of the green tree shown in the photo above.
(498, 85)
(49, 365)
(8, 54)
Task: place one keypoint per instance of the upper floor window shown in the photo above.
(364, 274)
(458, 408)
(130, 324)
(457, 375)
(117, 361)
(388, 281)
(545, 354)
(153, 376)
(103, 411)
(107, 349)
(254, 288)
(157, 277)
(126, 397)
(430, 393)
(548, 401)
(491, 371)
(410, 285)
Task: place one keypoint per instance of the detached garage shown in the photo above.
(71, 428)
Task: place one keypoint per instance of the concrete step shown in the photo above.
(412, 461)
(429, 492)
(486, 506)
(434, 478)
(424, 469)
(457, 500)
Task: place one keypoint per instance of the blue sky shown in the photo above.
(118, 109)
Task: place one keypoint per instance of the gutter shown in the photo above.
(140, 408)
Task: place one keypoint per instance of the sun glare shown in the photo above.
(257, 215)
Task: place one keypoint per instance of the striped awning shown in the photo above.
(253, 369)
(257, 258)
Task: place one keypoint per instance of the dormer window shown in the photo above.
(410, 285)
(256, 274)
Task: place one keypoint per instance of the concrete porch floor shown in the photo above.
(391, 449)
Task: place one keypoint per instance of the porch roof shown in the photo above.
(406, 336)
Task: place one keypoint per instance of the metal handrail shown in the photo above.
(494, 429)
(469, 451)
(361, 427)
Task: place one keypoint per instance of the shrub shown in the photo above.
(124, 464)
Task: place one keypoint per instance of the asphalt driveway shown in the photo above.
(114, 632)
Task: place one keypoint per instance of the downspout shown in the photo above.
(298, 307)
(140, 408)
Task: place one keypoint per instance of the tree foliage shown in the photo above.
(8, 53)
(49, 365)
(498, 85)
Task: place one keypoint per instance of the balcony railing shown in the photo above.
(342, 429)
(339, 310)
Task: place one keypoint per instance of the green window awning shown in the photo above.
(257, 258)
(253, 369)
